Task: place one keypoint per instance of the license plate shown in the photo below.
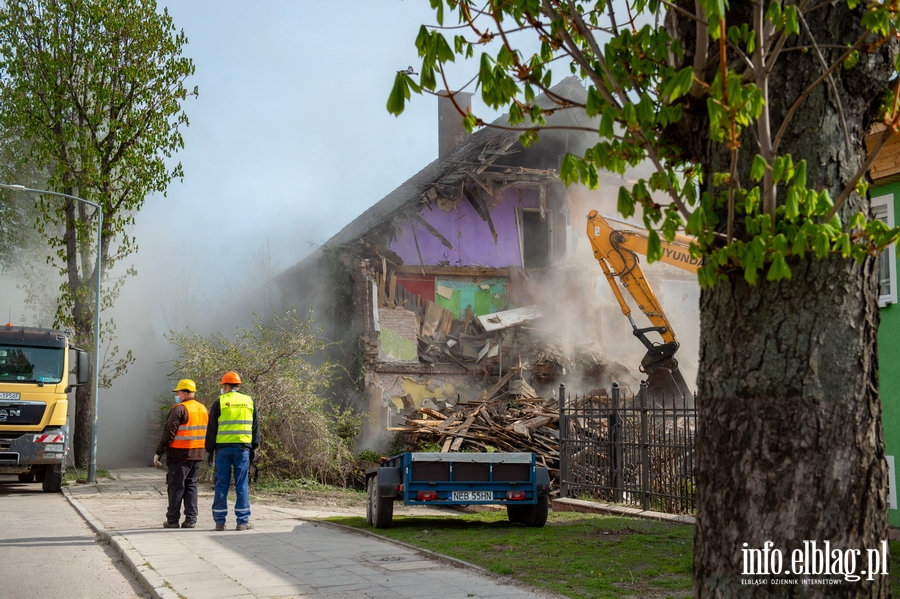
(9, 395)
(472, 496)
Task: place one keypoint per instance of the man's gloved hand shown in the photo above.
(209, 458)
(252, 455)
(156, 461)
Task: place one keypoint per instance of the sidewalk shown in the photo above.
(282, 556)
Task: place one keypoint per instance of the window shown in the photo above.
(892, 483)
(883, 208)
(534, 236)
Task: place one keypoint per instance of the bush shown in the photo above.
(302, 436)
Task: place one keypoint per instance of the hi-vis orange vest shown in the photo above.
(192, 435)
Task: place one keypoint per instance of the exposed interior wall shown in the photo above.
(470, 236)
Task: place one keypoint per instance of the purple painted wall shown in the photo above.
(470, 236)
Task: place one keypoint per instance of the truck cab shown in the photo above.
(35, 369)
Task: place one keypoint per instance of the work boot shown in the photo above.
(246, 526)
(188, 524)
(220, 527)
(168, 524)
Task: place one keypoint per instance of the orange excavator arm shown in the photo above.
(616, 246)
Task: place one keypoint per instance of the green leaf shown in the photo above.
(607, 122)
(778, 269)
(800, 175)
(681, 83)
(758, 168)
(842, 244)
(629, 113)
(399, 94)
(625, 205)
(791, 204)
(654, 247)
(822, 245)
(778, 169)
(791, 22)
(568, 171)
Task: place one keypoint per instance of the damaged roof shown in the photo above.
(444, 177)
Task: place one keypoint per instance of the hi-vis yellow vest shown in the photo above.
(192, 435)
(235, 418)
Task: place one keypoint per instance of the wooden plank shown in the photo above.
(432, 319)
(381, 283)
(433, 413)
(392, 290)
(468, 319)
(499, 384)
(458, 441)
(454, 271)
(432, 230)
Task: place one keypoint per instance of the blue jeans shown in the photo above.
(228, 459)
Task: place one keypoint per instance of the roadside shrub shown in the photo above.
(302, 436)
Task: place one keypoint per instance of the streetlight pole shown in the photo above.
(92, 463)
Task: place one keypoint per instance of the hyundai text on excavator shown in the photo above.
(34, 385)
(616, 246)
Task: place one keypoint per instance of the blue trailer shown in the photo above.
(427, 478)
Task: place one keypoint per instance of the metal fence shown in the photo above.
(636, 450)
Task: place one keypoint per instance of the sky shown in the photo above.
(289, 139)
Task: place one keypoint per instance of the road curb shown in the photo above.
(155, 584)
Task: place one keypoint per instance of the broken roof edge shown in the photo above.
(482, 148)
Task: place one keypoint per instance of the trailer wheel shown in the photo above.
(52, 482)
(516, 513)
(382, 508)
(536, 515)
(26, 477)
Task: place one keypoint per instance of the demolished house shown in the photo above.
(469, 294)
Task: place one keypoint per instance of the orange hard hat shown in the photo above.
(231, 378)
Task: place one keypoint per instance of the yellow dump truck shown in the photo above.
(38, 369)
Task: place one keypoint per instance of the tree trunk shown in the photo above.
(789, 436)
(84, 421)
(789, 446)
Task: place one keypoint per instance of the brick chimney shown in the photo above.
(451, 133)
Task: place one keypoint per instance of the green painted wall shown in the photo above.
(485, 297)
(888, 370)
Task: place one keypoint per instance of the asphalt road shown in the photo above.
(47, 550)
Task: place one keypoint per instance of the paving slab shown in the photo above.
(284, 556)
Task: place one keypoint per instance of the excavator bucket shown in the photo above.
(668, 388)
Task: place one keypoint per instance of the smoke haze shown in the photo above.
(288, 141)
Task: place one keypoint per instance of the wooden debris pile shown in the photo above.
(514, 420)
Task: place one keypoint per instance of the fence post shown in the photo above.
(563, 449)
(645, 448)
(615, 428)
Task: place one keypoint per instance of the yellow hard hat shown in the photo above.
(186, 385)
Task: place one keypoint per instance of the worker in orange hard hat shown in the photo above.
(232, 436)
(182, 440)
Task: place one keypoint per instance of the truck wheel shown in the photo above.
(52, 482)
(516, 513)
(382, 507)
(536, 516)
(370, 491)
(26, 477)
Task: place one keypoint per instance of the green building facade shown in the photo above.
(885, 204)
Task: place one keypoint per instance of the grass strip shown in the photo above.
(577, 555)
